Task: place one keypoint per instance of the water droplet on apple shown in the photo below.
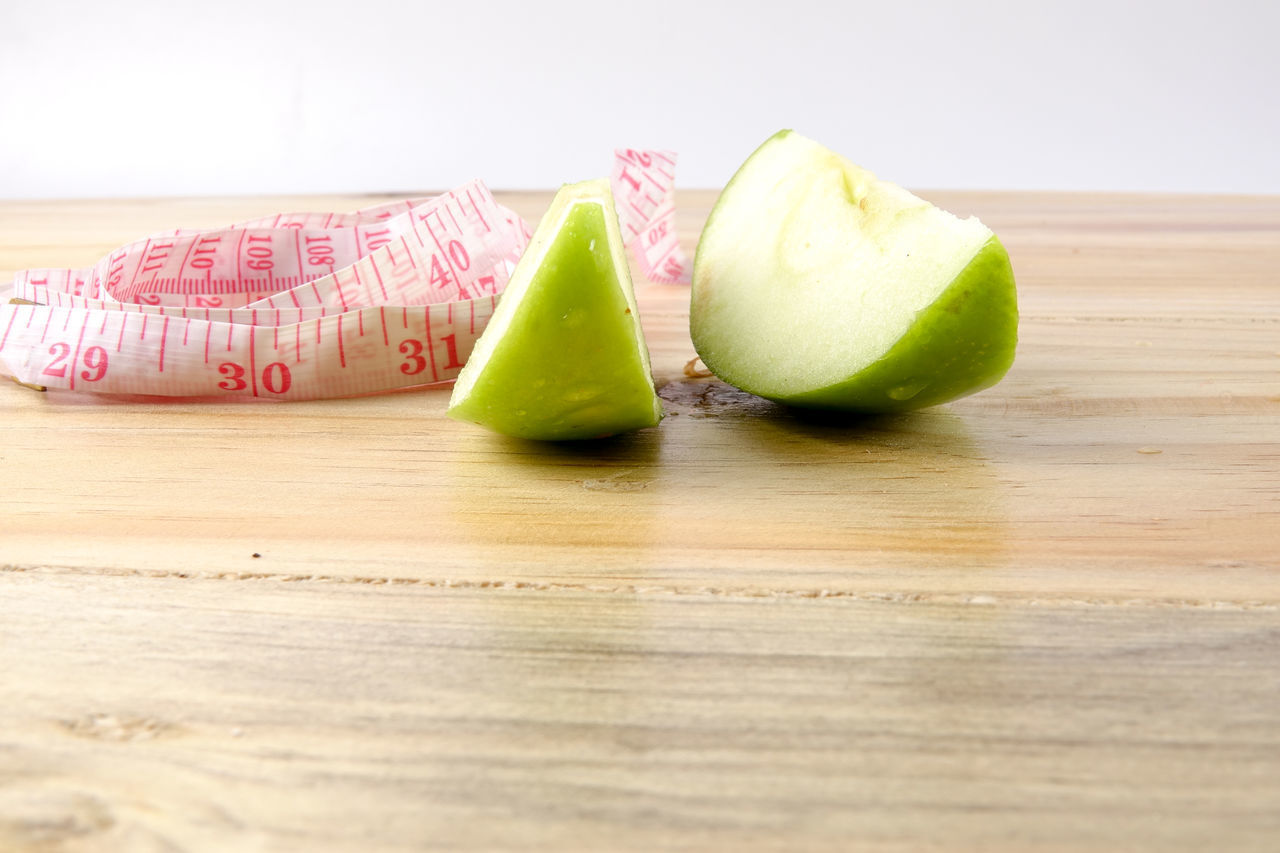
(907, 390)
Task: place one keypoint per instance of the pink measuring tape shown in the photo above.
(305, 305)
(644, 192)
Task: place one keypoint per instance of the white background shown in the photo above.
(140, 98)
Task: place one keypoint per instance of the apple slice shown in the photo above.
(815, 284)
(563, 356)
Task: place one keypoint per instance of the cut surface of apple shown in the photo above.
(563, 356)
(816, 284)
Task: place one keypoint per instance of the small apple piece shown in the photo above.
(563, 356)
(817, 285)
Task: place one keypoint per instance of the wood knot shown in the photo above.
(618, 482)
(112, 728)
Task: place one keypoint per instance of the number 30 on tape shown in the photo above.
(305, 305)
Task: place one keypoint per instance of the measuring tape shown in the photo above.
(644, 193)
(303, 305)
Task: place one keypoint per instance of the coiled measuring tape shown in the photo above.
(302, 306)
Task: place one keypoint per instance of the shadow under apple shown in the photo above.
(731, 488)
(835, 489)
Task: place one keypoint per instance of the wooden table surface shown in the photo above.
(1046, 617)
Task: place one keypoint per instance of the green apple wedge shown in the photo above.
(817, 285)
(563, 356)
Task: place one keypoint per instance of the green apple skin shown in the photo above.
(565, 357)
(961, 343)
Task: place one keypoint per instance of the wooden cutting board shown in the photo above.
(1044, 617)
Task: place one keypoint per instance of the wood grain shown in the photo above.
(1046, 617)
